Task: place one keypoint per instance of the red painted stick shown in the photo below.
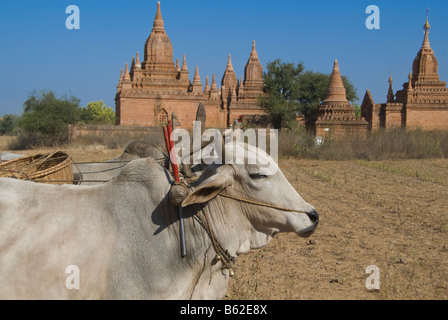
(176, 177)
(173, 154)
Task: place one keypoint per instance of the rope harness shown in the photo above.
(105, 170)
(222, 254)
(82, 173)
(257, 203)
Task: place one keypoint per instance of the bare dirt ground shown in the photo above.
(392, 214)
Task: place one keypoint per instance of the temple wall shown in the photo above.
(136, 112)
(145, 111)
(129, 133)
(377, 117)
(236, 113)
(393, 119)
(340, 130)
(429, 118)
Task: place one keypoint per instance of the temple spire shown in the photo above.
(390, 93)
(196, 78)
(253, 54)
(207, 86)
(126, 76)
(184, 63)
(214, 93)
(426, 27)
(137, 61)
(229, 64)
(229, 80)
(158, 52)
(410, 80)
(158, 21)
(336, 90)
(213, 87)
(197, 85)
(120, 82)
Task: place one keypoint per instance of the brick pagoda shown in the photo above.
(150, 90)
(423, 101)
(336, 115)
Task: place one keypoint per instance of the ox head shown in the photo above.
(258, 179)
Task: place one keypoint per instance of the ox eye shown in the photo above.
(257, 176)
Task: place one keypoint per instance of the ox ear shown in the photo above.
(207, 190)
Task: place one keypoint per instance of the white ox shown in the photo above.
(99, 172)
(123, 236)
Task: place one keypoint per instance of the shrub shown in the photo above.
(45, 119)
(8, 124)
(96, 112)
(377, 145)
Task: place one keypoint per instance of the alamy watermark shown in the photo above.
(373, 20)
(373, 280)
(73, 21)
(221, 148)
(72, 281)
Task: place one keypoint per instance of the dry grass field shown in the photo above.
(392, 214)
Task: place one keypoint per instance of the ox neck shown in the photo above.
(230, 224)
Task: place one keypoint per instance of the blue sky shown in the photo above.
(37, 51)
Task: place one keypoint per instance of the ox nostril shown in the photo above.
(314, 216)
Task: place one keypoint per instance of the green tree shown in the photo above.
(45, 118)
(311, 91)
(280, 88)
(289, 91)
(357, 109)
(312, 87)
(7, 124)
(96, 112)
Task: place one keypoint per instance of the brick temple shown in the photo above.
(149, 91)
(423, 101)
(336, 116)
